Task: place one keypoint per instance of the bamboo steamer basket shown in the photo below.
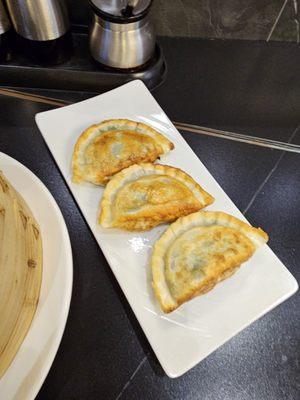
(20, 271)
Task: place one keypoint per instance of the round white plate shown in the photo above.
(25, 376)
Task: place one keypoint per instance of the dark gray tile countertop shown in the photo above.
(251, 88)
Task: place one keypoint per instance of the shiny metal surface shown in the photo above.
(182, 126)
(39, 19)
(122, 45)
(115, 7)
(4, 21)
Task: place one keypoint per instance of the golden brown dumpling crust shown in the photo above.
(145, 195)
(197, 252)
(106, 148)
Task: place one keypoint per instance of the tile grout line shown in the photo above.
(277, 19)
(210, 20)
(269, 175)
(132, 377)
(296, 19)
(263, 184)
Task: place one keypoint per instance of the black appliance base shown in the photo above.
(80, 72)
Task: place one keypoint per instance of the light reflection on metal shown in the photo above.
(238, 137)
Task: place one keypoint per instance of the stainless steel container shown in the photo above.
(39, 20)
(122, 35)
(4, 21)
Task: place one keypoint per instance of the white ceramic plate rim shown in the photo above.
(65, 305)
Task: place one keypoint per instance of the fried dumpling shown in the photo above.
(143, 196)
(198, 251)
(104, 149)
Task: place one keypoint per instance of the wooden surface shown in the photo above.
(20, 271)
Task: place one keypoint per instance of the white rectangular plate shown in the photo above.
(183, 338)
